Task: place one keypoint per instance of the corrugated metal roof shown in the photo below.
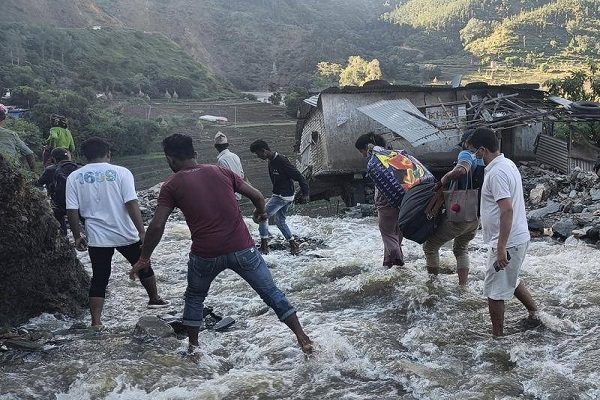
(553, 152)
(312, 100)
(530, 88)
(403, 118)
(559, 100)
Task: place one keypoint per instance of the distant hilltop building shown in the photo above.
(15, 112)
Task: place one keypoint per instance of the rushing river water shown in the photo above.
(381, 334)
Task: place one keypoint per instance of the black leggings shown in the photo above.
(101, 258)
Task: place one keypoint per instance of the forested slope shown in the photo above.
(267, 44)
(103, 60)
(526, 32)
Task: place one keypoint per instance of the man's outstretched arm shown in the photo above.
(257, 198)
(153, 235)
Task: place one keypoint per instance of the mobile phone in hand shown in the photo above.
(496, 266)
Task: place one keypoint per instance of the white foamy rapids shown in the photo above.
(380, 333)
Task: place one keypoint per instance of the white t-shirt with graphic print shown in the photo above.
(99, 191)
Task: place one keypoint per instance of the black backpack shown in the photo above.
(59, 183)
(413, 219)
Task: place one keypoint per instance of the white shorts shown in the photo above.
(501, 285)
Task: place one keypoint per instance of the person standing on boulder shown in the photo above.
(59, 136)
(282, 174)
(220, 238)
(60, 160)
(11, 145)
(504, 225)
(228, 159)
(104, 195)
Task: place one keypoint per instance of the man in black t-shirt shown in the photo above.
(282, 174)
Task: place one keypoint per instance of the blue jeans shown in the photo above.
(278, 208)
(248, 264)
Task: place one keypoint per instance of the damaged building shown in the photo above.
(427, 121)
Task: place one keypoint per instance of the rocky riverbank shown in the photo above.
(557, 205)
(562, 205)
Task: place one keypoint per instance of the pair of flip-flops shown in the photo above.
(212, 321)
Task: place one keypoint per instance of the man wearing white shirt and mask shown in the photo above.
(504, 226)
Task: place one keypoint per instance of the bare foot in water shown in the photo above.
(306, 345)
(193, 353)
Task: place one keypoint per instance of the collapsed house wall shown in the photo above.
(330, 123)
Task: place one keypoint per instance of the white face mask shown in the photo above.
(479, 158)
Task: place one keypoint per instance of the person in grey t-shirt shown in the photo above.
(11, 145)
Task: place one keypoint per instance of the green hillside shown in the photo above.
(558, 30)
(258, 44)
(103, 60)
(544, 34)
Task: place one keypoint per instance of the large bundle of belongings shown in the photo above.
(420, 212)
(395, 172)
(406, 183)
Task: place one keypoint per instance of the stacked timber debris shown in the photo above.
(506, 111)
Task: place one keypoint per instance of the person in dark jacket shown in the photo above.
(58, 157)
(282, 174)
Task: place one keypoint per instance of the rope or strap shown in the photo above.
(434, 205)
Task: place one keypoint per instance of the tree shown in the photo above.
(358, 71)
(475, 29)
(579, 85)
(24, 96)
(293, 99)
(275, 98)
(431, 72)
(582, 85)
(328, 74)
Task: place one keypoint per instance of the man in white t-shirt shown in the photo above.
(504, 225)
(228, 159)
(104, 195)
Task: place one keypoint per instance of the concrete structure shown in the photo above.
(330, 123)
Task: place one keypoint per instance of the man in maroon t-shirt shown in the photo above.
(205, 194)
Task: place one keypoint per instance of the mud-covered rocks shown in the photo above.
(39, 268)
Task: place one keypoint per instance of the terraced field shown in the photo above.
(247, 121)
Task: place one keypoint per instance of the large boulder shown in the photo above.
(39, 268)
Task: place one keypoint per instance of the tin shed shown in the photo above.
(330, 123)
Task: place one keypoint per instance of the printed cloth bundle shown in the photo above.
(394, 172)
